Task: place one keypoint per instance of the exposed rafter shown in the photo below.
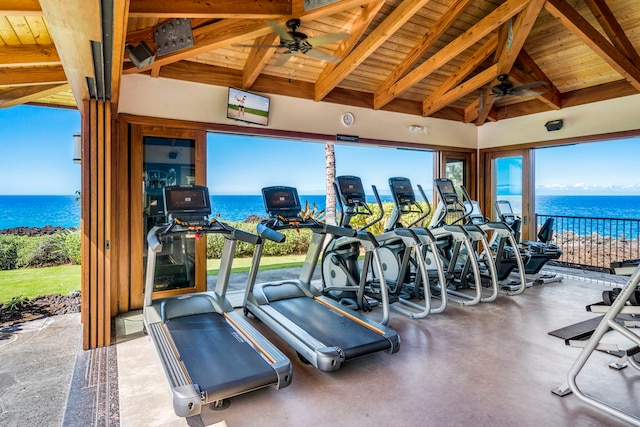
(382, 32)
(581, 28)
(31, 76)
(28, 55)
(425, 44)
(23, 95)
(434, 102)
(474, 34)
(613, 29)
(259, 9)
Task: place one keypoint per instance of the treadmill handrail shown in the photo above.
(269, 233)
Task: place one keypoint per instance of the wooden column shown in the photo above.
(96, 223)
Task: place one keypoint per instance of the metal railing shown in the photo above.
(594, 243)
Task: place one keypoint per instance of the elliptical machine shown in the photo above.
(421, 272)
(541, 252)
(342, 277)
(394, 249)
(462, 259)
(503, 247)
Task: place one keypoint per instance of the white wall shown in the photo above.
(166, 98)
(615, 115)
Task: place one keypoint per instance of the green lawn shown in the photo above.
(242, 265)
(31, 282)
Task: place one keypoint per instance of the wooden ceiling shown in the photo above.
(435, 58)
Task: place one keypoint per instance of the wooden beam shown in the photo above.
(217, 35)
(119, 31)
(328, 10)
(612, 27)
(73, 24)
(488, 99)
(521, 28)
(419, 50)
(20, 8)
(598, 93)
(32, 76)
(378, 36)
(28, 55)
(247, 9)
(430, 105)
(463, 89)
(358, 28)
(581, 28)
(258, 58)
(551, 95)
(474, 34)
(227, 32)
(24, 94)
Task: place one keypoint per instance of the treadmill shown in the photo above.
(324, 333)
(209, 352)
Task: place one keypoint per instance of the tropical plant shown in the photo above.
(15, 303)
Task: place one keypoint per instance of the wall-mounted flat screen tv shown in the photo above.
(248, 107)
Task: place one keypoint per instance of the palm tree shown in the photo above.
(330, 163)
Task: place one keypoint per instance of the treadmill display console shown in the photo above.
(281, 201)
(192, 200)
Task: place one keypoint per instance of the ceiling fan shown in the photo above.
(506, 88)
(294, 41)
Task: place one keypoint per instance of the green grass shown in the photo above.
(242, 265)
(31, 282)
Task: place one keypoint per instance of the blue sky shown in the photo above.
(37, 151)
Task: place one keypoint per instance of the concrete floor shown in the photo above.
(492, 364)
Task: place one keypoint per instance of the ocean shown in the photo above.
(64, 211)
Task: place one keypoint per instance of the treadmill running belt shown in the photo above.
(219, 359)
(330, 327)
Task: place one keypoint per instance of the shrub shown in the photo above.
(49, 251)
(8, 252)
(360, 220)
(72, 246)
(297, 242)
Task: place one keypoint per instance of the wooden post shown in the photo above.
(96, 224)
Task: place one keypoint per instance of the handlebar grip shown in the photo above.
(406, 232)
(245, 236)
(153, 238)
(270, 234)
(339, 231)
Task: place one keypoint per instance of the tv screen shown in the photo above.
(248, 107)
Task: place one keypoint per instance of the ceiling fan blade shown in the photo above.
(280, 30)
(326, 39)
(323, 56)
(284, 57)
(529, 86)
(256, 45)
(527, 93)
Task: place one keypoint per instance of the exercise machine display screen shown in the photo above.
(504, 207)
(402, 191)
(281, 201)
(187, 199)
(351, 190)
(447, 190)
